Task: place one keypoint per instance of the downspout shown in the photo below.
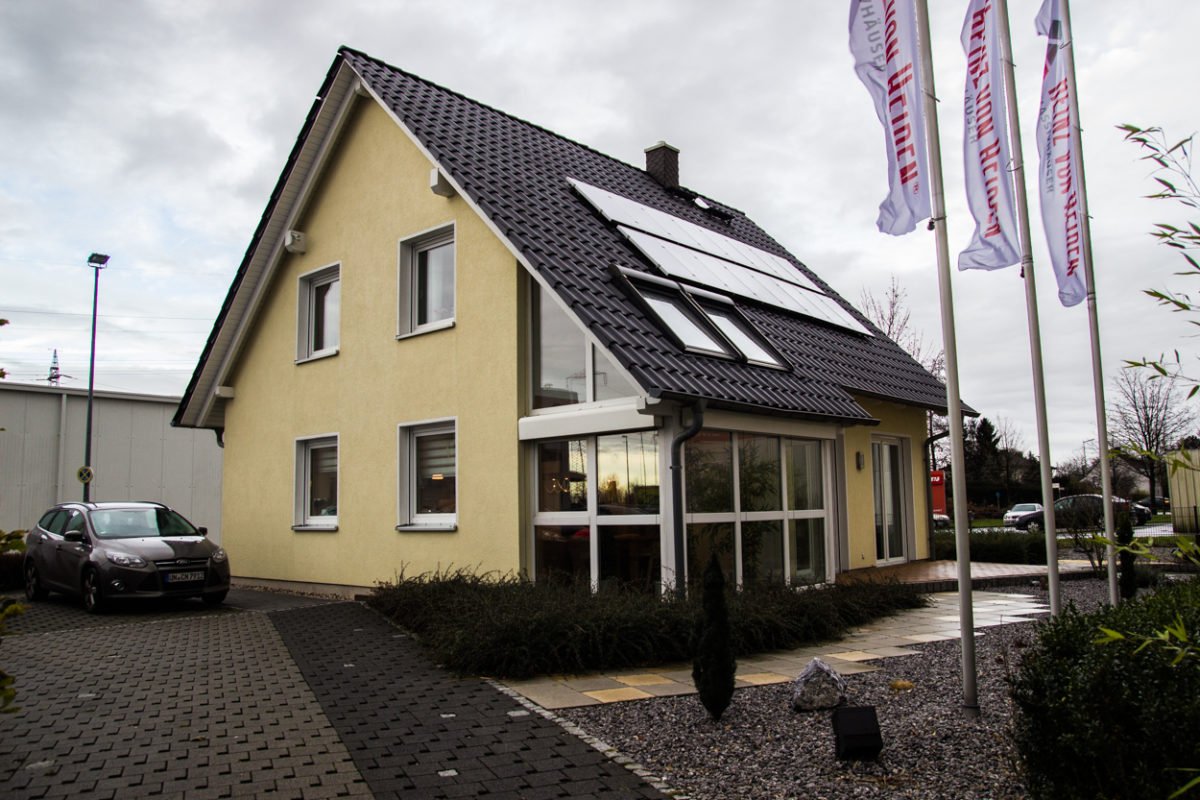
(928, 451)
(677, 487)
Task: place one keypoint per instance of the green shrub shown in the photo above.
(1106, 720)
(995, 546)
(508, 627)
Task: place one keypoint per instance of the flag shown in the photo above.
(986, 149)
(883, 41)
(1058, 176)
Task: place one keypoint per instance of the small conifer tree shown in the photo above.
(714, 665)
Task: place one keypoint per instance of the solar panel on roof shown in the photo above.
(696, 254)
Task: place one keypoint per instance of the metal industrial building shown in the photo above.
(136, 454)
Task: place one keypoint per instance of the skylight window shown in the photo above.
(735, 330)
(677, 318)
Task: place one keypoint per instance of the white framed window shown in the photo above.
(762, 503)
(319, 313)
(428, 481)
(317, 483)
(427, 281)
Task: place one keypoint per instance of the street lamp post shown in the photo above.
(96, 261)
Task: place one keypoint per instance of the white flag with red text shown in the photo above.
(1058, 176)
(883, 41)
(986, 149)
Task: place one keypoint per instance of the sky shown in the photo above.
(154, 130)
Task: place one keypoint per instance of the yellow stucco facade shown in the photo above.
(374, 193)
(897, 422)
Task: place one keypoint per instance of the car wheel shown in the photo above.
(33, 583)
(93, 596)
(215, 599)
(1034, 526)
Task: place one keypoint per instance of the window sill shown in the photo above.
(317, 356)
(315, 528)
(439, 527)
(430, 328)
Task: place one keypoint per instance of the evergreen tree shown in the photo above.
(714, 666)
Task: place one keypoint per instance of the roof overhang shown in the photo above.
(199, 407)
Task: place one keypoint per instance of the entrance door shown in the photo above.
(888, 471)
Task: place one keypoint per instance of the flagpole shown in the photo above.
(962, 537)
(1031, 308)
(1093, 315)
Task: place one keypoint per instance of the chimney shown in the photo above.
(662, 162)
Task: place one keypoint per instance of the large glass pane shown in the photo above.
(807, 540)
(559, 368)
(762, 552)
(435, 283)
(758, 472)
(561, 553)
(889, 498)
(562, 475)
(435, 468)
(708, 458)
(609, 383)
(630, 556)
(805, 475)
(627, 464)
(702, 541)
(326, 314)
(322, 481)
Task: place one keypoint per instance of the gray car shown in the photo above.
(106, 552)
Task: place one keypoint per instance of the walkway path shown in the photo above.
(890, 637)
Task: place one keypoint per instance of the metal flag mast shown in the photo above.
(1031, 309)
(937, 221)
(1068, 49)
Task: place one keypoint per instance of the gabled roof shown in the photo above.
(516, 175)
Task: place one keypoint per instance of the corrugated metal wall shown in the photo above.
(136, 454)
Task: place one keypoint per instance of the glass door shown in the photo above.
(887, 474)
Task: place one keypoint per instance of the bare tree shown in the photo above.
(892, 316)
(1010, 443)
(1148, 420)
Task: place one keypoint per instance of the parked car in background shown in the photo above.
(1079, 512)
(105, 552)
(941, 521)
(1020, 510)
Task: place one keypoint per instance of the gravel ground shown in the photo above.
(762, 749)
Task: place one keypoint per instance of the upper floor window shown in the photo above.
(427, 281)
(320, 313)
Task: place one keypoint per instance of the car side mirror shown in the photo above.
(203, 530)
(73, 536)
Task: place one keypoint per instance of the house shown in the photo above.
(459, 339)
(136, 454)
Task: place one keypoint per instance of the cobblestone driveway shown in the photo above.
(272, 695)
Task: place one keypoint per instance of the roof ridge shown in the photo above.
(412, 75)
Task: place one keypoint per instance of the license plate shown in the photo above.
(183, 577)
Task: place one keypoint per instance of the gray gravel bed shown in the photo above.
(763, 749)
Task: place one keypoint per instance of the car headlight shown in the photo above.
(219, 555)
(126, 560)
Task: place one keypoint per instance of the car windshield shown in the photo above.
(133, 523)
(1024, 507)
